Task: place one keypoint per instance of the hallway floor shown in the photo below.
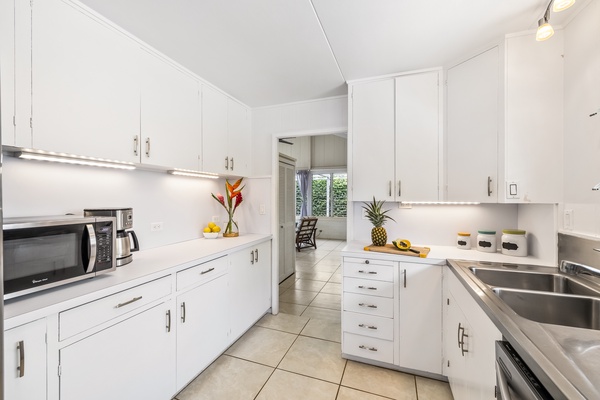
(296, 354)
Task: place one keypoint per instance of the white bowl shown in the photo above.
(212, 235)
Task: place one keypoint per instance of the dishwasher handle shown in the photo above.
(502, 383)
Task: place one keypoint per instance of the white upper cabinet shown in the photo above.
(7, 71)
(417, 137)
(534, 118)
(85, 89)
(372, 132)
(170, 115)
(225, 134)
(472, 129)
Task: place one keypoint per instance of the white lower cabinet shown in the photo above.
(133, 359)
(25, 361)
(469, 343)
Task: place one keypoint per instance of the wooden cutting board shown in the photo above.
(391, 249)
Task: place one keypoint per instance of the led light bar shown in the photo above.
(39, 155)
(194, 174)
(452, 203)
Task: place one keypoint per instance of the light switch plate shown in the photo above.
(513, 190)
(568, 220)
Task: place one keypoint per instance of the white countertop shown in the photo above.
(439, 255)
(147, 265)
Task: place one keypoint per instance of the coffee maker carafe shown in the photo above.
(126, 239)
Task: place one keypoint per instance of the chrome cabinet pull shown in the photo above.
(367, 262)
(128, 302)
(367, 305)
(256, 255)
(183, 312)
(148, 147)
(168, 320)
(252, 257)
(227, 163)
(367, 287)
(21, 366)
(367, 348)
(362, 271)
(390, 189)
(232, 163)
(135, 145)
(207, 271)
(462, 344)
(399, 188)
(367, 326)
(489, 183)
(458, 335)
(404, 273)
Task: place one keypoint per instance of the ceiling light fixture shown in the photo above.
(544, 30)
(193, 174)
(561, 5)
(38, 155)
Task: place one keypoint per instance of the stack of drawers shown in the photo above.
(368, 309)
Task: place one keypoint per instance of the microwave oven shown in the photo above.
(45, 252)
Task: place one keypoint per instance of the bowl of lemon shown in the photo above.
(211, 231)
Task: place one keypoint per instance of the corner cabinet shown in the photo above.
(395, 136)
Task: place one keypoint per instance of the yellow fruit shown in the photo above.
(207, 230)
(216, 229)
(211, 225)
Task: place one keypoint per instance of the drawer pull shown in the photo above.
(207, 271)
(183, 312)
(21, 366)
(128, 302)
(367, 287)
(168, 320)
(367, 305)
(367, 261)
(367, 348)
(367, 326)
(362, 271)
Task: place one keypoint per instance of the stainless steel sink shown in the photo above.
(527, 280)
(552, 308)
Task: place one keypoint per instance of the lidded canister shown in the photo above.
(514, 242)
(463, 240)
(486, 241)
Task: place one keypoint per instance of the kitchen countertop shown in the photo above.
(146, 266)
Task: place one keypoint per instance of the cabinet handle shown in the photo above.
(232, 163)
(367, 262)
(458, 335)
(128, 302)
(183, 312)
(367, 348)
(404, 273)
(362, 271)
(135, 145)
(252, 257)
(148, 147)
(21, 366)
(227, 163)
(168, 320)
(399, 188)
(489, 182)
(390, 188)
(367, 305)
(367, 326)
(367, 287)
(462, 344)
(207, 271)
(256, 255)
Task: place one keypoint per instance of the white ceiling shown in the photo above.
(266, 52)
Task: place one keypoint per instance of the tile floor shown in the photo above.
(296, 354)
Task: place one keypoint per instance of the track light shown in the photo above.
(561, 5)
(544, 31)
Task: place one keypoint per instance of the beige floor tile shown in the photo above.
(283, 322)
(282, 289)
(332, 288)
(341, 246)
(327, 244)
(305, 268)
(335, 261)
(215, 383)
(290, 308)
(326, 300)
(314, 275)
(325, 267)
(380, 381)
(433, 390)
(262, 345)
(288, 386)
(289, 282)
(353, 394)
(298, 297)
(315, 358)
(309, 285)
(322, 313)
(336, 277)
(323, 329)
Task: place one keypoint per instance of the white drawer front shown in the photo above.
(202, 272)
(368, 325)
(88, 315)
(368, 269)
(373, 305)
(369, 287)
(368, 347)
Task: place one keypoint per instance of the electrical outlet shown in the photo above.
(156, 226)
(262, 210)
(568, 220)
(215, 218)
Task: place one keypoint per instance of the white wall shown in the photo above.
(184, 205)
(331, 228)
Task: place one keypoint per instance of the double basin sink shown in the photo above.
(568, 297)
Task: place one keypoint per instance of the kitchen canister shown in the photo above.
(486, 241)
(463, 240)
(514, 242)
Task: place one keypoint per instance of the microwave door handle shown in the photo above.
(502, 383)
(92, 235)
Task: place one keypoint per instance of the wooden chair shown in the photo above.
(306, 234)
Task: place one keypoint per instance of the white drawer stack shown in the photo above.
(368, 309)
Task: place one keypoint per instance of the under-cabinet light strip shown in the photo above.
(452, 203)
(38, 155)
(194, 174)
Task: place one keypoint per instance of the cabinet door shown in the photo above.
(287, 219)
(202, 328)
(238, 133)
(25, 361)
(472, 130)
(249, 287)
(85, 84)
(417, 137)
(170, 115)
(372, 133)
(454, 358)
(420, 331)
(215, 157)
(7, 71)
(134, 359)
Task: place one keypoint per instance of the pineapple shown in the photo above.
(378, 219)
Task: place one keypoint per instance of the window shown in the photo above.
(329, 194)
